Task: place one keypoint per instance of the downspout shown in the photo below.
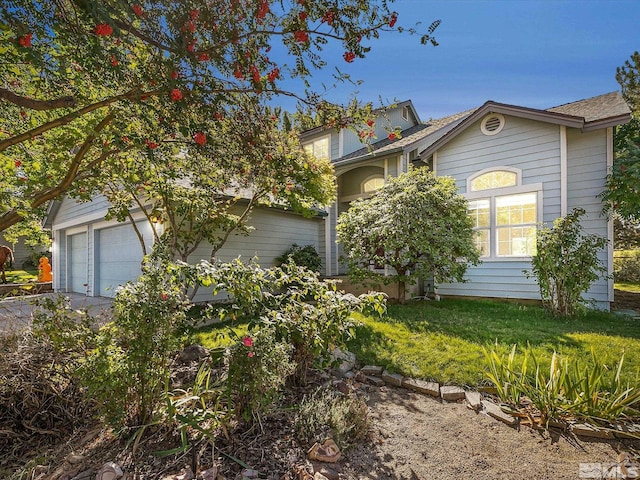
(563, 170)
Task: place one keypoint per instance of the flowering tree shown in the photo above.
(88, 84)
(416, 224)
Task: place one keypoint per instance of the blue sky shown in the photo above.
(530, 53)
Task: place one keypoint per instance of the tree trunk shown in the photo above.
(401, 291)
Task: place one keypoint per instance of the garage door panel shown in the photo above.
(77, 250)
(119, 257)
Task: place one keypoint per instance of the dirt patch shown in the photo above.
(624, 300)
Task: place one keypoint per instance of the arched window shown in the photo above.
(504, 212)
(372, 184)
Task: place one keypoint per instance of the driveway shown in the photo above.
(15, 312)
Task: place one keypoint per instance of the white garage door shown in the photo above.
(77, 251)
(119, 255)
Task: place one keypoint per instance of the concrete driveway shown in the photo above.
(15, 312)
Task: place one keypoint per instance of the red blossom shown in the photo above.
(263, 9)
(164, 296)
(151, 145)
(218, 116)
(23, 114)
(238, 73)
(247, 341)
(273, 74)
(114, 60)
(301, 36)
(362, 133)
(174, 75)
(176, 95)
(190, 26)
(250, 354)
(125, 139)
(103, 30)
(200, 138)
(370, 122)
(191, 46)
(348, 56)
(328, 17)
(25, 41)
(623, 168)
(394, 19)
(392, 136)
(204, 57)
(18, 163)
(302, 16)
(194, 14)
(137, 9)
(255, 73)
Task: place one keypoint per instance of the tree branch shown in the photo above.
(34, 104)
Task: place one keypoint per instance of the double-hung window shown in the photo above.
(319, 148)
(504, 213)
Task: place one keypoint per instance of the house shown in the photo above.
(517, 166)
(94, 256)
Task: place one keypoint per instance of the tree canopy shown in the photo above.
(415, 226)
(89, 87)
(622, 194)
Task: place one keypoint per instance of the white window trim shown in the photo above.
(311, 142)
(483, 124)
(370, 177)
(517, 171)
(491, 194)
(405, 113)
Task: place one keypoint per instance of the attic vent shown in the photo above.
(492, 124)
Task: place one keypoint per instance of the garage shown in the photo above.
(118, 255)
(77, 251)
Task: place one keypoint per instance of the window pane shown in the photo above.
(479, 212)
(516, 209)
(516, 241)
(372, 184)
(481, 240)
(497, 179)
(318, 148)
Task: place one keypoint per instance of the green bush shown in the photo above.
(626, 266)
(306, 256)
(327, 413)
(258, 367)
(566, 263)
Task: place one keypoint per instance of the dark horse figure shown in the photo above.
(5, 254)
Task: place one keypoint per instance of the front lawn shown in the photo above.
(22, 276)
(444, 341)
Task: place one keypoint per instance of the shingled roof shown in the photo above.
(605, 106)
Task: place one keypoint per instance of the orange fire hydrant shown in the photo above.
(44, 270)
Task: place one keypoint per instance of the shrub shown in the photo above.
(327, 413)
(566, 263)
(626, 266)
(258, 367)
(306, 256)
(570, 389)
(127, 370)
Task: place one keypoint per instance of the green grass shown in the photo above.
(627, 287)
(444, 341)
(22, 276)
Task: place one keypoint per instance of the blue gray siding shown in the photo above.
(534, 148)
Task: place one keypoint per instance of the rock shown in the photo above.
(209, 473)
(319, 476)
(376, 381)
(371, 370)
(342, 387)
(451, 393)
(627, 431)
(394, 379)
(474, 399)
(496, 412)
(193, 353)
(84, 475)
(349, 375)
(420, 386)
(586, 430)
(76, 459)
(249, 473)
(109, 471)
(327, 452)
(326, 472)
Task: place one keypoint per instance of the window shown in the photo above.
(372, 184)
(405, 113)
(504, 213)
(319, 148)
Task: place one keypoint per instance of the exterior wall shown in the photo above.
(21, 252)
(534, 148)
(586, 175)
